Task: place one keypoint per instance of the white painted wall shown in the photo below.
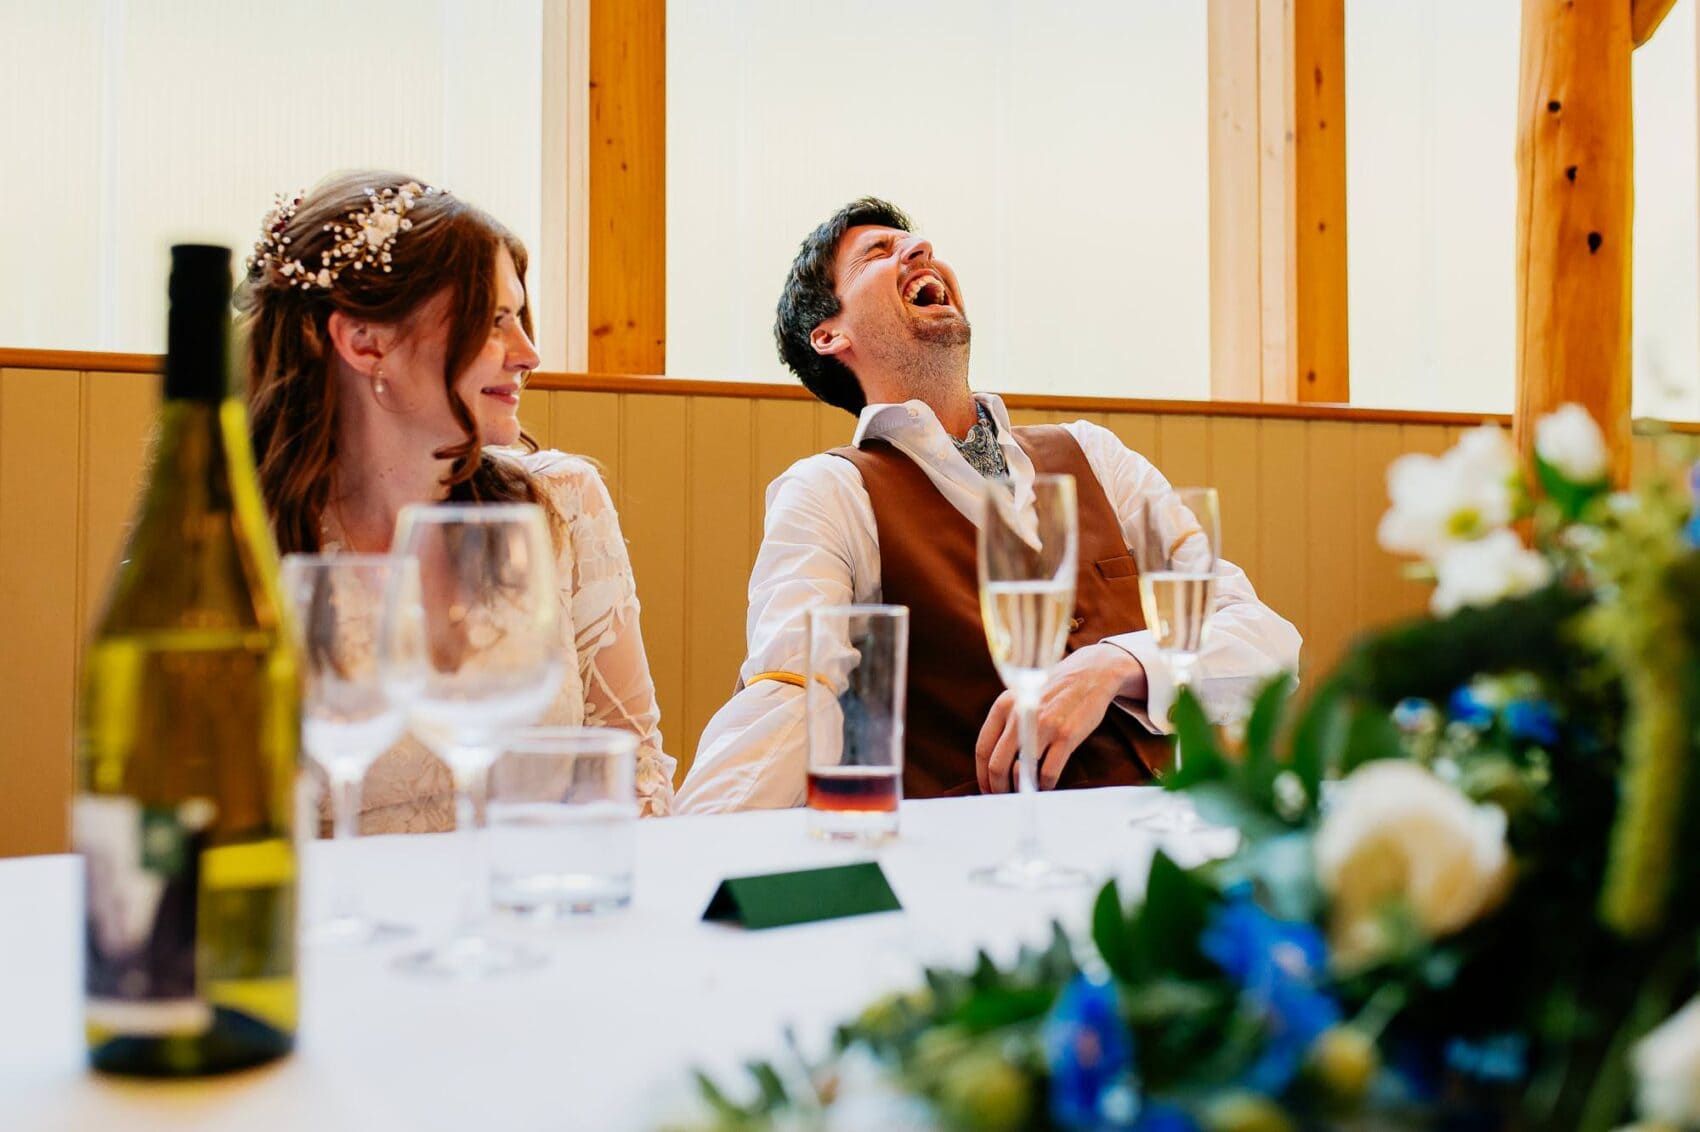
(1431, 127)
(1056, 154)
(132, 124)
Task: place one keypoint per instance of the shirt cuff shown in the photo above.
(1159, 681)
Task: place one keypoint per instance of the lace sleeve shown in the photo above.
(613, 667)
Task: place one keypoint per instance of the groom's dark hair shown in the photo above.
(809, 299)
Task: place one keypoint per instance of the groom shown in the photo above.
(874, 323)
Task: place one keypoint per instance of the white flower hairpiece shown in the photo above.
(362, 239)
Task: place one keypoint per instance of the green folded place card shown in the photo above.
(774, 900)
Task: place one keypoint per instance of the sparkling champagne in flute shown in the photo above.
(1028, 557)
(474, 652)
(1178, 558)
(348, 717)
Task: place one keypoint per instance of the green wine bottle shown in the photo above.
(187, 739)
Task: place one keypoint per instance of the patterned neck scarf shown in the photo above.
(980, 447)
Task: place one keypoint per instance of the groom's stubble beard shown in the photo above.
(933, 355)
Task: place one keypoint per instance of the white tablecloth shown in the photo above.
(601, 1039)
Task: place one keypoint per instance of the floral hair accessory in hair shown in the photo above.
(363, 238)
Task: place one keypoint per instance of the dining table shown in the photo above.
(606, 1034)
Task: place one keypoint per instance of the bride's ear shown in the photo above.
(360, 345)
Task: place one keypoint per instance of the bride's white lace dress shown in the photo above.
(607, 682)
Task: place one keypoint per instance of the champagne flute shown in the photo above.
(474, 651)
(348, 717)
(1027, 562)
(1178, 560)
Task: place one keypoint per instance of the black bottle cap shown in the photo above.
(198, 331)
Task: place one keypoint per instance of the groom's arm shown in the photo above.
(818, 548)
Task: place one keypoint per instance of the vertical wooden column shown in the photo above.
(1278, 200)
(627, 283)
(1319, 200)
(1575, 204)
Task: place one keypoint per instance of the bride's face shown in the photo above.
(489, 387)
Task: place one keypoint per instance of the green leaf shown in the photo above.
(1004, 1006)
(1260, 765)
(1221, 803)
(1110, 932)
(1283, 869)
(1572, 498)
(1319, 740)
(773, 1095)
(717, 1100)
(1201, 760)
(1370, 735)
(1169, 923)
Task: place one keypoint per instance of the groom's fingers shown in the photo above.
(994, 748)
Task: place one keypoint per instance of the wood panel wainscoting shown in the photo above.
(687, 463)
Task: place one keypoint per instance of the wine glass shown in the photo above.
(472, 648)
(1028, 557)
(1178, 558)
(348, 717)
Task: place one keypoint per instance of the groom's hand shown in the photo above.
(1080, 691)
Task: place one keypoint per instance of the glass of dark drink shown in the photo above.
(858, 673)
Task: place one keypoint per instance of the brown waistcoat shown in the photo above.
(927, 562)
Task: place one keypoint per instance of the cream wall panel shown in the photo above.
(534, 416)
(588, 424)
(656, 449)
(1236, 472)
(1139, 432)
(40, 540)
(1185, 442)
(717, 540)
(1284, 525)
(1382, 594)
(784, 432)
(1330, 546)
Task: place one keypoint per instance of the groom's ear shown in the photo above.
(828, 340)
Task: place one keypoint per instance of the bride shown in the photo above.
(388, 342)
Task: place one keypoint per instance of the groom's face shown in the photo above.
(895, 294)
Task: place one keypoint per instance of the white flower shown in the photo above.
(1395, 832)
(1439, 501)
(1482, 572)
(1667, 1069)
(1572, 444)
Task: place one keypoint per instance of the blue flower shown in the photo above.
(1532, 720)
(1089, 1052)
(1467, 707)
(1692, 530)
(1501, 1059)
(1164, 1118)
(1278, 965)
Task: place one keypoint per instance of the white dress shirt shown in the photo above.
(820, 547)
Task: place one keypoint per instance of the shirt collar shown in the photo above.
(880, 421)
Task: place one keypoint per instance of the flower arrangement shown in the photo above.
(1458, 899)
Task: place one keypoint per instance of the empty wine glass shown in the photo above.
(348, 717)
(1027, 564)
(1178, 558)
(472, 648)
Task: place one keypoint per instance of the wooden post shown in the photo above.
(1319, 199)
(1575, 203)
(628, 187)
(1277, 200)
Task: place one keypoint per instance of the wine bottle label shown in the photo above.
(142, 886)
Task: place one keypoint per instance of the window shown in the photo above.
(134, 125)
(1056, 155)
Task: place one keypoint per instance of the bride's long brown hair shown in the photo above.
(450, 246)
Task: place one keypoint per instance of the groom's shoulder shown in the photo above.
(815, 479)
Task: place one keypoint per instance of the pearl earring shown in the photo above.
(379, 387)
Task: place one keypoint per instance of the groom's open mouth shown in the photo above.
(926, 288)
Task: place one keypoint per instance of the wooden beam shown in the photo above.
(1276, 185)
(1575, 200)
(1278, 200)
(1236, 364)
(562, 317)
(1645, 16)
(628, 186)
(1319, 199)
